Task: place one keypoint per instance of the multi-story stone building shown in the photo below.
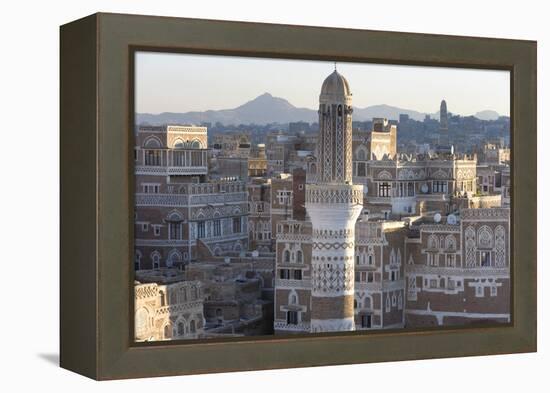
(232, 144)
(378, 299)
(167, 307)
(458, 273)
(178, 208)
(407, 264)
(287, 151)
(257, 162)
(407, 274)
(259, 217)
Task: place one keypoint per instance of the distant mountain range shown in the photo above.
(266, 109)
(487, 115)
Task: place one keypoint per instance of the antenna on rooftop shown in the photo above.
(334, 66)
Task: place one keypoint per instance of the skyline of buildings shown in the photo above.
(340, 227)
(186, 82)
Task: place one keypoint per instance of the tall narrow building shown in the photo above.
(443, 124)
(333, 205)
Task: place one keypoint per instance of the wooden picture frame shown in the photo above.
(97, 199)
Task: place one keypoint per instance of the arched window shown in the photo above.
(137, 260)
(287, 256)
(367, 303)
(313, 168)
(195, 144)
(173, 297)
(485, 237)
(181, 329)
(183, 295)
(173, 258)
(392, 257)
(179, 144)
(370, 255)
(142, 318)
(500, 246)
(470, 247)
(192, 327)
(167, 331)
(152, 142)
(361, 155)
(433, 243)
(155, 257)
(450, 243)
(299, 256)
(293, 299)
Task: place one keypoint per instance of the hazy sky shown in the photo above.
(183, 83)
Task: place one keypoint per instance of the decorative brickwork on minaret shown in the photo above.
(333, 205)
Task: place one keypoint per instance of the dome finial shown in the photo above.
(335, 67)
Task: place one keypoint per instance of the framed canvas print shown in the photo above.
(241, 196)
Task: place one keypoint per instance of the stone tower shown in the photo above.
(443, 124)
(333, 205)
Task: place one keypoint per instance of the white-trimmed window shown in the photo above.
(144, 226)
(174, 230)
(400, 301)
(217, 228)
(384, 189)
(284, 197)
(493, 291)
(388, 304)
(153, 157)
(439, 186)
(286, 256)
(156, 230)
(150, 188)
(292, 317)
(155, 256)
(201, 229)
(485, 258)
(237, 225)
(479, 291)
(450, 260)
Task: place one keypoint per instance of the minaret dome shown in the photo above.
(335, 88)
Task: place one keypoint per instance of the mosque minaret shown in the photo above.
(333, 205)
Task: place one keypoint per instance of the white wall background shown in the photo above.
(29, 199)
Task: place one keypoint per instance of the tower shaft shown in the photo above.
(333, 205)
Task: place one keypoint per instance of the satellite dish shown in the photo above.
(451, 219)
(424, 188)
(437, 217)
